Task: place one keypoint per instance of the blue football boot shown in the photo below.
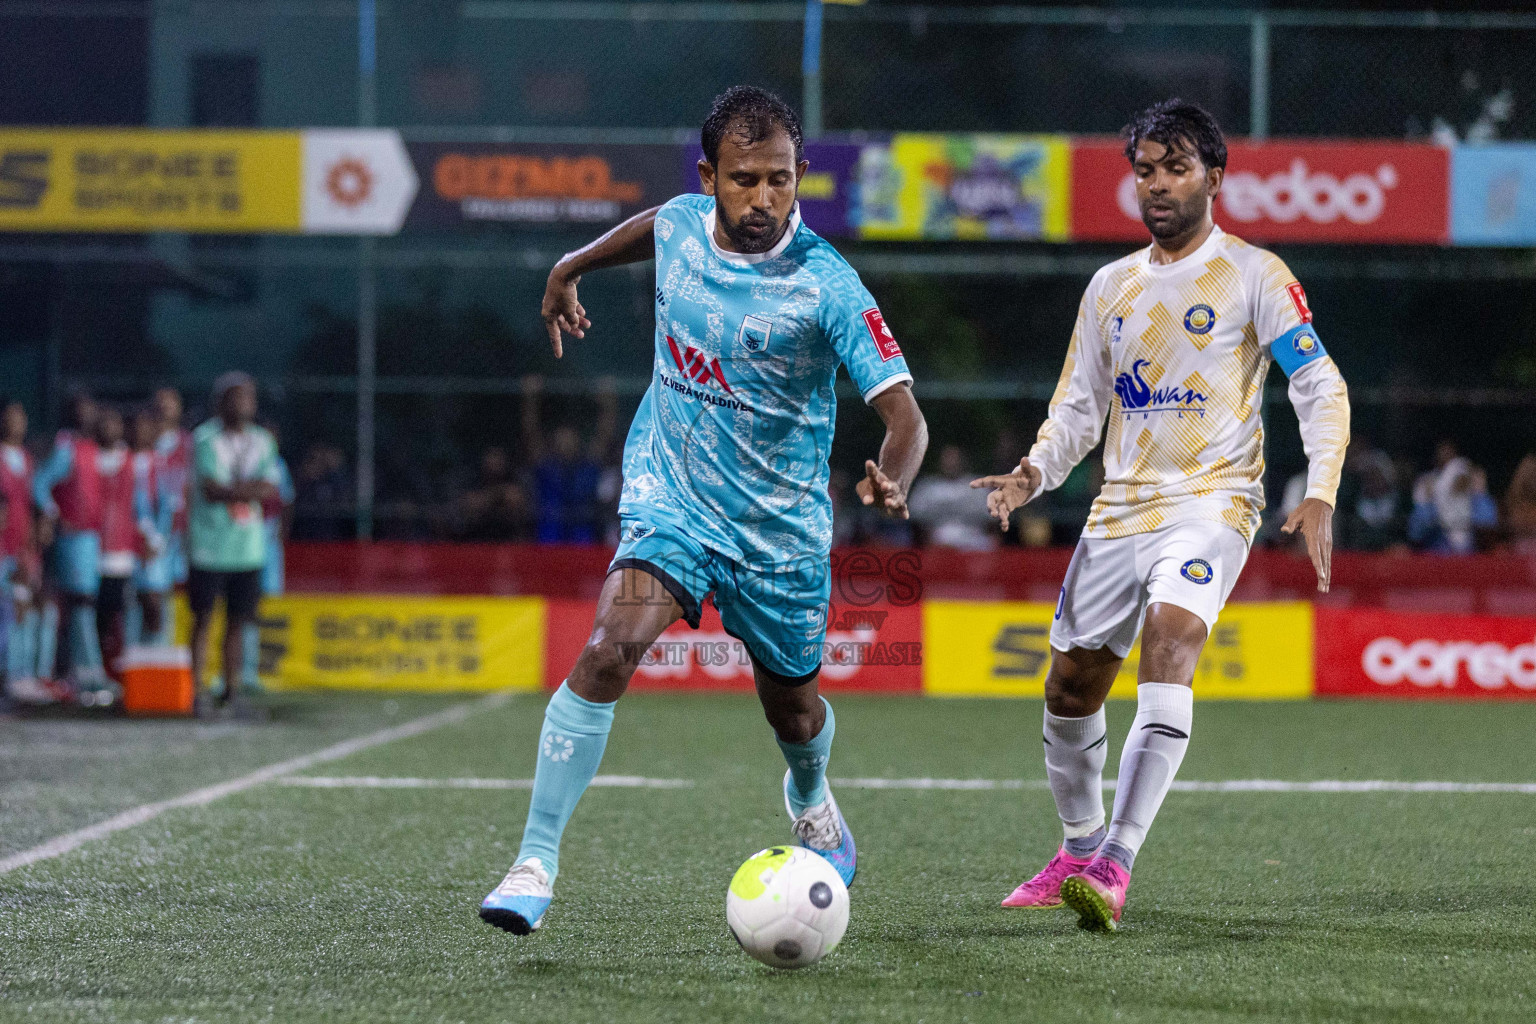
(518, 904)
(822, 829)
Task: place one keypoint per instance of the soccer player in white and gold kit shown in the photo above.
(1172, 344)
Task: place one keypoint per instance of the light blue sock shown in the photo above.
(20, 658)
(47, 641)
(250, 676)
(570, 749)
(808, 765)
(84, 644)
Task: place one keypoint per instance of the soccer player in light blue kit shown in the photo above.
(725, 469)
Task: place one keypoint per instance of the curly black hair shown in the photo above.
(750, 115)
(1177, 125)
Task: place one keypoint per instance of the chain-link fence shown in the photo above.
(1437, 342)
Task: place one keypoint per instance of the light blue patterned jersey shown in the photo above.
(731, 440)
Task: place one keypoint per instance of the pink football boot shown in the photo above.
(1097, 893)
(1044, 890)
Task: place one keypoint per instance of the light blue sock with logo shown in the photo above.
(570, 749)
(808, 765)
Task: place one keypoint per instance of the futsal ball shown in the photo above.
(787, 906)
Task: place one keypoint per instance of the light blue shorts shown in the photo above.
(780, 615)
(77, 562)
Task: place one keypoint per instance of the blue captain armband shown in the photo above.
(1296, 348)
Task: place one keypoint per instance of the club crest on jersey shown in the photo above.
(1199, 319)
(1197, 570)
(754, 333)
(1137, 396)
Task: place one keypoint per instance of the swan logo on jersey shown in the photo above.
(1137, 396)
(754, 333)
(1197, 570)
(1199, 319)
(1305, 344)
(885, 341)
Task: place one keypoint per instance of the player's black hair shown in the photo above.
(751, 115)
(1177, 125)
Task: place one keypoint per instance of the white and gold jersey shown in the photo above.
(1176, 355)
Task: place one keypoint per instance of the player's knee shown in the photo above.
(794, 725)
(605, 666)
(1066, 700)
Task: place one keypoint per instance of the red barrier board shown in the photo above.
(874, 648)
(1352, 192)
(1373, 653)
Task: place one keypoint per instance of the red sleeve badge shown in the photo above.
(885, 341)
(1299, 300)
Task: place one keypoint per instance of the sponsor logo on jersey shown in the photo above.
(885, 341)
(1305, 344)
(1299, 300)
(1137, 396)
(1116, 323)
(1197, 570)
(1199, 319)
(754, 333)
(692, 364)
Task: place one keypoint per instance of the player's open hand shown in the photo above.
(1011, 491)
(1314, 518)
(881, 491)
(561, 310)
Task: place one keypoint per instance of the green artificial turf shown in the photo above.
(296, 904)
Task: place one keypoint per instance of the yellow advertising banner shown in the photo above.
(1258, 651)
(396, 642)
(145, 180)
(966, 187)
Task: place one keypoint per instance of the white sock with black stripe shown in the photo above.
(1075, 751)
(1151, 758)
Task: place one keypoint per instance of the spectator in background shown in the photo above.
(1520, 507)
(173, 467)
(323, 495)
(566, 475)
(1373, 512)
(1451, 504)
(22, 573)
(949, 512)
(496, 508)
(234, 470)
(67, 490)
(276, 522)
(126, 524)
(149, 618)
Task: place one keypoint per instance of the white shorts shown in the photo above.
(1110, 582)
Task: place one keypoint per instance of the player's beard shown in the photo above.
(764, 234)
(1185, 217)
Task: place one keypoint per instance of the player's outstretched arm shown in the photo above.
(1011, 491)
(886, 484)
(633, 241)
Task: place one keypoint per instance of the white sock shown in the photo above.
(1152, 755)
(1075, 751)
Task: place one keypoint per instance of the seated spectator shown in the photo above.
(1372, 514)
(1520, 507)
(948, 510)
(324, 495)
(566, 474)
(496, 508)
(1451, 504)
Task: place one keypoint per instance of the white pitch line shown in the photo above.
(63, 844)
(386, 782)
(1220, 786)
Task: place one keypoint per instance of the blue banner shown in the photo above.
(1493, 194)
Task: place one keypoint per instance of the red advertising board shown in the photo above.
(1375, 653)
(1351, 192)
(868, 648)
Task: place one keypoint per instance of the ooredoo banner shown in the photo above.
(1258, 651)
(1351, 192)
(1376, 653)
(874, 647)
